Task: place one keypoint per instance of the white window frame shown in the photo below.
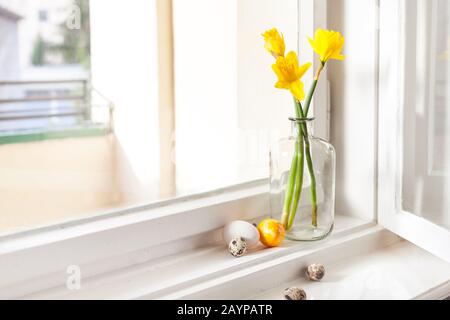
(395, 76)
(37, 259)
(313, 15)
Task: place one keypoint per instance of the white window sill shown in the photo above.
(159, 277)
(363, 261)
(400, 271)
(175, 251)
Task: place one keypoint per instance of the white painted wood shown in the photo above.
(313, 15)
(390, 95)
(185, 269)
(248, 282)
(397, 51)
(438, 293)
(374, 265)
(368, 262)
(353, 100)
(390, 273)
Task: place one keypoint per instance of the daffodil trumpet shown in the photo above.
(328, 45)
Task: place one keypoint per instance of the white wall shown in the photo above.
(227, 109)
(263, 110)
(354, 106)
(9, 49)
(124, 60)
(9, 56)
(205, 93)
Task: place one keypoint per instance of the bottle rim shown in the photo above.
(300, 120)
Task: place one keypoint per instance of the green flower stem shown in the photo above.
(308, 148)
(300, 159)
(313, 178)
(312, 89)
(289, 190)
(293, 172)
(310, 95)
(310, 168)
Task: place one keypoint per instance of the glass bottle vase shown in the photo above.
(302, 183)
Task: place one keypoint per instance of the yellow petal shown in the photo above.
(291, 58)
(289, 74)
(278, 68)
(297, 90)
(338, 57)
(302, 70)
(282, 85)
(327, 44)
(274, 42)
(313, 44)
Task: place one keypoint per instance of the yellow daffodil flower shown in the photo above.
(274, 43)
(289, 74)
(327, 44)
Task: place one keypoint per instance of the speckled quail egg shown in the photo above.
(243, 229)
(294, 293)
(237, 247)
(315, 271)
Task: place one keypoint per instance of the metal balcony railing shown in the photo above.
(46, 104)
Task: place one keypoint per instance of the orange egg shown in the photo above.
(271, 232)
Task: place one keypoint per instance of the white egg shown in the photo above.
(242, 229)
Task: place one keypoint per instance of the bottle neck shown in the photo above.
(304, 123)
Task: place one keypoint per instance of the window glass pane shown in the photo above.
(227, 110)
(112, 104)
(426, 162)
